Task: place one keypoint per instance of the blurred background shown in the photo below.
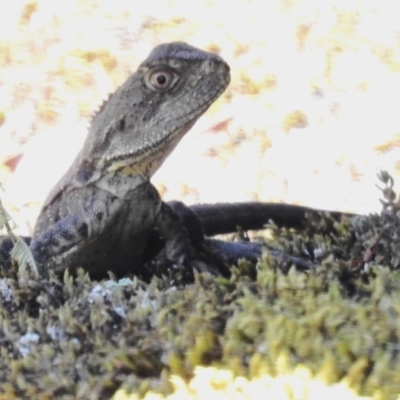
(312, 113)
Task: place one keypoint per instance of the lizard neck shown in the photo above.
(123, 181)
(126, 175)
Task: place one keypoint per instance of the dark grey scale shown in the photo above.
(113, 181)
(99, 215)
(143, 218)
(83, 230)
(85, 171)
(67, 234)
(57, 215)
(90, 202)
(51, 240)
(121, 124)
(106, 207)
(151, 196)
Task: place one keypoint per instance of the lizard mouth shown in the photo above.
(169, 131)
(147, 160)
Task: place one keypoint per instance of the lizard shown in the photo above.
(104, 213)
(101, 213)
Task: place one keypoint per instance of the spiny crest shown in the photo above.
(101, 107)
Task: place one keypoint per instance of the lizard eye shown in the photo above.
(160, 80)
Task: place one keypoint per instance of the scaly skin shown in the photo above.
(101, 213)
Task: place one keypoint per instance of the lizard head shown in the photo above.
(141, 123)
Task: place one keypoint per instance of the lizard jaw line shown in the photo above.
(135, 160)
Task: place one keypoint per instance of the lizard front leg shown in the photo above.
(59, 239)
(67, 229)
(175, 235)
(184, 243)
(195, 217)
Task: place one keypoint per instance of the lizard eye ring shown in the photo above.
(160, 80)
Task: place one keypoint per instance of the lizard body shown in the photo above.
(100, 214)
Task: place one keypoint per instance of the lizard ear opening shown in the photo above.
(161, 79)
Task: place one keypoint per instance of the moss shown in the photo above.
(268, 326)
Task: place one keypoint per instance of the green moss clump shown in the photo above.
(337, 322)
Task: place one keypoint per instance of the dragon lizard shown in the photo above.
(100, 215)
(105, 215)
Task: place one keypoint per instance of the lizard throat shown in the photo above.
(148, 159)
(122, 176)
